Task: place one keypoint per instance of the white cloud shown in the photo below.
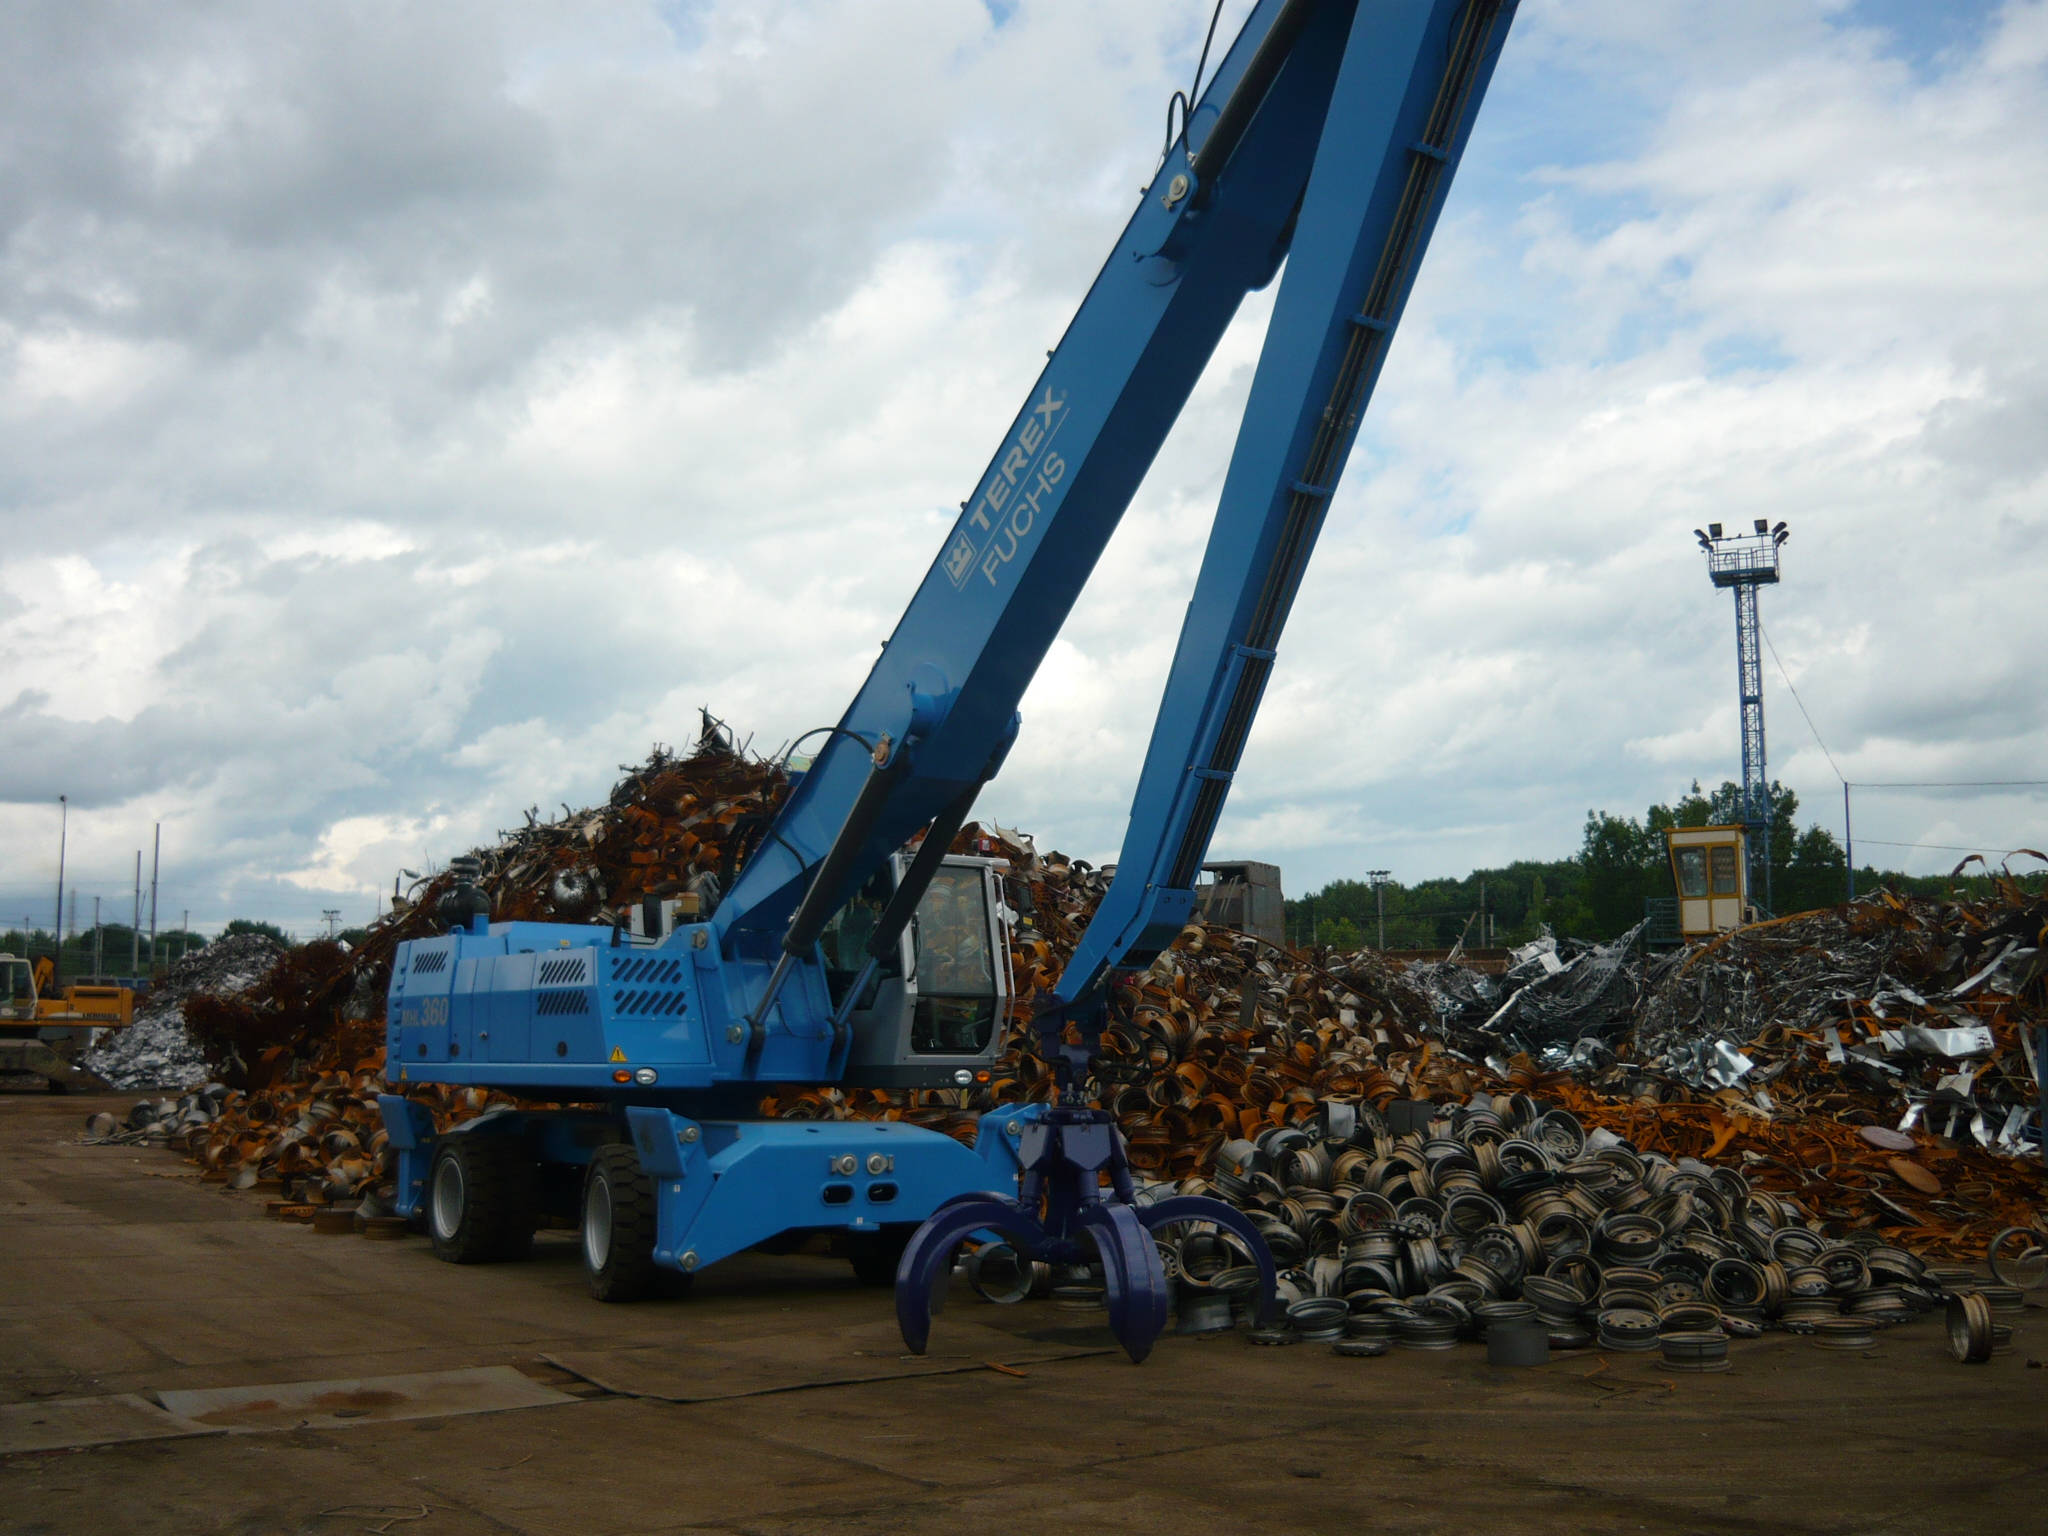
(407, 415)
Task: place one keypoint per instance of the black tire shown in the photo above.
(479, 1200)
(875, 1255)
(618, 1228)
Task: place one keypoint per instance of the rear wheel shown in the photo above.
(479, 1203)
(619, 1228)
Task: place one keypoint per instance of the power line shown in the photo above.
(1947, 783)
(1892, 783)
(1787, 676)
(1942, 847)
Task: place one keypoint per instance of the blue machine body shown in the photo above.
(1325, 142)
(553, 1010)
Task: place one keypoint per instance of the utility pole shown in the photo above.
(57, 926)
(1378, 877)
(184, 933)
(135, 922)
(156, 858)
(99, 940)
(331, 916)
(1746, 561)
(1849, 854)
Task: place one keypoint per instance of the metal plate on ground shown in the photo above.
(367, 1400)
(790, 1362)
(60, 1423)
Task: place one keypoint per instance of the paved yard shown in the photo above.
(121, 1273)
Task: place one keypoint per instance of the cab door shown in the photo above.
(940, 1008)
(962, 972)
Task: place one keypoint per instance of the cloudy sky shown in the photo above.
(410, 412)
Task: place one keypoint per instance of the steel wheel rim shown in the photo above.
(448, 1198)
(597, 1224)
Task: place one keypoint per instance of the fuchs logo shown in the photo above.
(960, 558)
(1019, 492)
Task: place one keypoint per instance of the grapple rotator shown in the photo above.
(1063, 1214)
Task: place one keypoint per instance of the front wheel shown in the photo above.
(619, 1228)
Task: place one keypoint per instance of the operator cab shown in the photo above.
(932, 1014)
(17, 988)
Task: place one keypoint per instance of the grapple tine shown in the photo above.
(1133, 1279)
(923, 1265)
(1179, 1208)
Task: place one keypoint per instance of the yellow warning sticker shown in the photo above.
(618, 1054)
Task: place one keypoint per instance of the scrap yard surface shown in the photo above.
(782, 1144)
(125, 1274)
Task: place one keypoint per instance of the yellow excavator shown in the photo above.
(43, 1030)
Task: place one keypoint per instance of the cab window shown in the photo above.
(1725, 881)
(956, 978)
(845, 941)
(1692, 871)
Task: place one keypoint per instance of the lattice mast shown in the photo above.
(1746, 561)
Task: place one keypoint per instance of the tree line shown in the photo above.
(1600, 892)
(116, 949)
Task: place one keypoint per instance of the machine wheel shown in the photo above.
(876, 1254)
(619, 1228)
(479, 1200)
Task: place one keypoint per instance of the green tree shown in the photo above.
(1618, 863)
(251, 925)
(1814, 872)
(1600, 893)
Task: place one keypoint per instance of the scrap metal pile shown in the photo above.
(672, 825)
(1226, 1039)
(300, 1051)
(1554, 995)
(1501, 1213)
(1923, 1006)
(156, 1048)
(1222, 1035)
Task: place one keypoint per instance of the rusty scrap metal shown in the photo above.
(1764, 1098)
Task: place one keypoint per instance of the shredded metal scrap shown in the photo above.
(156, 1050)
(1816, 1055)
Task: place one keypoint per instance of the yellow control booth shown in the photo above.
(1710, 867)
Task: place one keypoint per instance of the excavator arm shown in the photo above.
(1406, 96)
(1326, 141)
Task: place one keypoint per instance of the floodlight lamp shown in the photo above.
(1714, 529)
(1705, 542)
(1763, 525)
(1780, 529)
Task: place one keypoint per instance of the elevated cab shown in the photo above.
(936, 1009)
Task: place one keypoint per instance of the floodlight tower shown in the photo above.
(1746, 561)
(1379, 879)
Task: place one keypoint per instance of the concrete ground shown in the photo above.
(120, 1272)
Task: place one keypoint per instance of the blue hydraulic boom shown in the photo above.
(1326, 141)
